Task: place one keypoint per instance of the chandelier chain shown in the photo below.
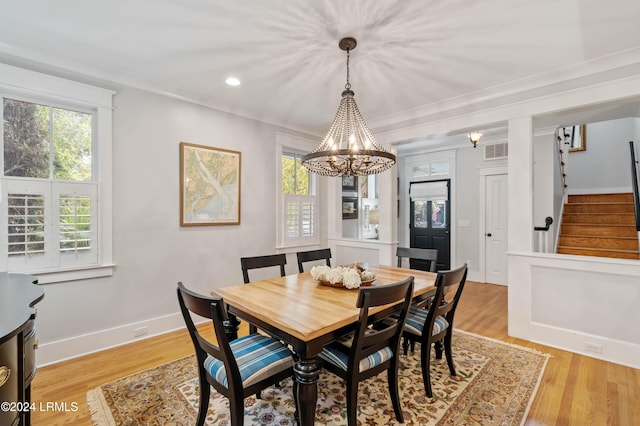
(348, 85)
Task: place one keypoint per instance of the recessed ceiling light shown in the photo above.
(232, 81)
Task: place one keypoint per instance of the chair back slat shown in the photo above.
(430, 255)
(312, 255)
(256, 262)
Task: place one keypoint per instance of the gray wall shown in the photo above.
(466, 205)
(605, 165)
(152, 252)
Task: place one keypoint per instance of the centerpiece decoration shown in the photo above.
(352, 276)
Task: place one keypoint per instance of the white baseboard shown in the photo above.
(73, 347)
(474, 276)
(599, 347)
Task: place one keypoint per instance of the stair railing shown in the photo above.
(542, 236)
(634, 177)
(561, 138)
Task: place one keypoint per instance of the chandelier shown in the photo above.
(349, 148)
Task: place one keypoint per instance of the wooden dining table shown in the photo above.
(307, 315)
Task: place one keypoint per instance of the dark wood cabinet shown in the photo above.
(19, 293)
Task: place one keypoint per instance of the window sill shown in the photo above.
(72, 274)
(291, 248)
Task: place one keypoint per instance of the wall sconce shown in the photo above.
(474, 137)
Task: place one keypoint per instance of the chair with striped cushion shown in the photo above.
(236, 369)
(435, 324)
(374, 346)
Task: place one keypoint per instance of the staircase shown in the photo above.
(599, 225)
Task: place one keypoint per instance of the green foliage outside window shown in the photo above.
(26, 139)
(29, 144)
(295, 177)
(71, 145)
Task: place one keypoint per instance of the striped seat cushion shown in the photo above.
(257, 356)
(337, 354)
(416, 319)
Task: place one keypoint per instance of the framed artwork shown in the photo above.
(209, 185)
(578, 138)
(349, 183)
(349, 207)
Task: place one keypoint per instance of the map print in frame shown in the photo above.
(209, 185)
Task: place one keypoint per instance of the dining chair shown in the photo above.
(373, 347)
(420, 254)
(435, 323)
(236, 369)
(309, 256)
(256, 262)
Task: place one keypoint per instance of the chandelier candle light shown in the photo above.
(349, 148)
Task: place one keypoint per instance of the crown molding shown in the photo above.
(589, 73)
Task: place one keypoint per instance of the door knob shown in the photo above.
(489, 234)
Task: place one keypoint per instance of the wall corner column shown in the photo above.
(520, 185)
(520, 224)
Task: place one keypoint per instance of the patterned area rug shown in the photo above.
(495, 384)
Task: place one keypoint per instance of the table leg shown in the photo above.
(307, 371)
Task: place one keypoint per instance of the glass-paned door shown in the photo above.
(430, 221)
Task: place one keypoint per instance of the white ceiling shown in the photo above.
(410, 54)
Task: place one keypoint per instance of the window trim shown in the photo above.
(26, 84)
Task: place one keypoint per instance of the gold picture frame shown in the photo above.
(209, 185)
(578, 138)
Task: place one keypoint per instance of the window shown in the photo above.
(53, 225)
(299, 201)
(50, 210)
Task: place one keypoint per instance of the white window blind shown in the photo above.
(74, 225)
(300, 217)
(292, 217)
(26, 224)
(49, 224)
(429, 190)
(75, 222)
(307, 215)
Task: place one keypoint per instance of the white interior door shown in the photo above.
(495, 241)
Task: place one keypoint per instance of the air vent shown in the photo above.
(495, 151)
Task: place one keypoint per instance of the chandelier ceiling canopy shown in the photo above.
(349, 148)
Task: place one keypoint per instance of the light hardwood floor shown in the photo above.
(575, 390)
